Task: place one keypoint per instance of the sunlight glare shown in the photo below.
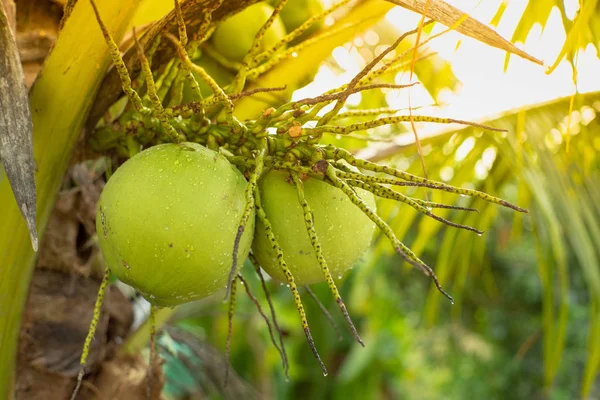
(485, 89)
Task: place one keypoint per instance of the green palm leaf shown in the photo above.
(559, 188)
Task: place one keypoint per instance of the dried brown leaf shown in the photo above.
(16, 128)
(458, 20)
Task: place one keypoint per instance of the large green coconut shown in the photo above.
(167, 220)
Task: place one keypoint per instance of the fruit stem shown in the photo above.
(387, 193)
(254, 300)
(316, 245)
(91, 331)
(284, 358)
(260, 212)
(399, 247)
(338, 154)
(325, 312)
(230, 314)
(157, 109)
(250, 189)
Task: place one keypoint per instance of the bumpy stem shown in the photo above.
(350, 176)
(157, 109)
(341, 154)
(387, 193)
(206, 29)
(230, 314)
(342, 130)
(289, 277)
(355, 81)
(297, 32)
(400, 248)
(250, 189)
(166, 83)
(316, 245)
(284, 358)
(336, 95)
(373, 112)
(256, 44)
(91, 331)
(152, 355)
(394, 65)
(115, 54)
(183, 40)
(324, 310)
(187, 62)
(275, 59)
(263, 315)
(214, 86)
(240, 79)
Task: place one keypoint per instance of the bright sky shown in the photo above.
(486, 89)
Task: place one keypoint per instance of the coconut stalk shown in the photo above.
(293, 70)
(59, 101)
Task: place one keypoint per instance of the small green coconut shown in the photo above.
(234, 36)
(343, 230)
(297, 12)
(167, 220)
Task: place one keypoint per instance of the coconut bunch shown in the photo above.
(202, 191)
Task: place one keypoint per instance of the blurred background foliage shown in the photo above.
(526, 323)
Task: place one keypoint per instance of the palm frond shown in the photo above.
(529, 165)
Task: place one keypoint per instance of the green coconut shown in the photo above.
(167, 220)
(297, 12)
(234, 36)
(343, 230)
